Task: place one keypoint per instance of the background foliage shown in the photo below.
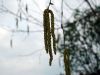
(82, 39)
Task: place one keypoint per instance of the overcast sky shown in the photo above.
(28, 57)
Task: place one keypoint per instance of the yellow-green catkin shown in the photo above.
(67, 62)
(49, 33)
(45, 23)
(52, 31)
(49, 40)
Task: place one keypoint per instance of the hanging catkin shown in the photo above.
(17, 22)
(11, 43)
(67, 62)
(48, 32)
(45, 23)
(52, 31)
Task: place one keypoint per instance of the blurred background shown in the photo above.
(22, 49)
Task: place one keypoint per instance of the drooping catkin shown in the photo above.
(28, 29)
(17, 22)
(11, 43)
(49, 39)
(45, 23)
(48, 22)
(67, 62)
(52, 31)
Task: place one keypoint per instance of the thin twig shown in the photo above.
(90, 7)
(62, 22)
(50, 3)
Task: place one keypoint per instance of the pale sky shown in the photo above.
(28, 57)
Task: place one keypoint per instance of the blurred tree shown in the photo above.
(81, 35)
(82, 39)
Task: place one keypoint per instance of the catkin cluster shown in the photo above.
(67, 62)
(49, 36)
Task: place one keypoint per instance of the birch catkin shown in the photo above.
(45, 23)
(67, 62)
(48, 22)
(11, 43)
(52, 31)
